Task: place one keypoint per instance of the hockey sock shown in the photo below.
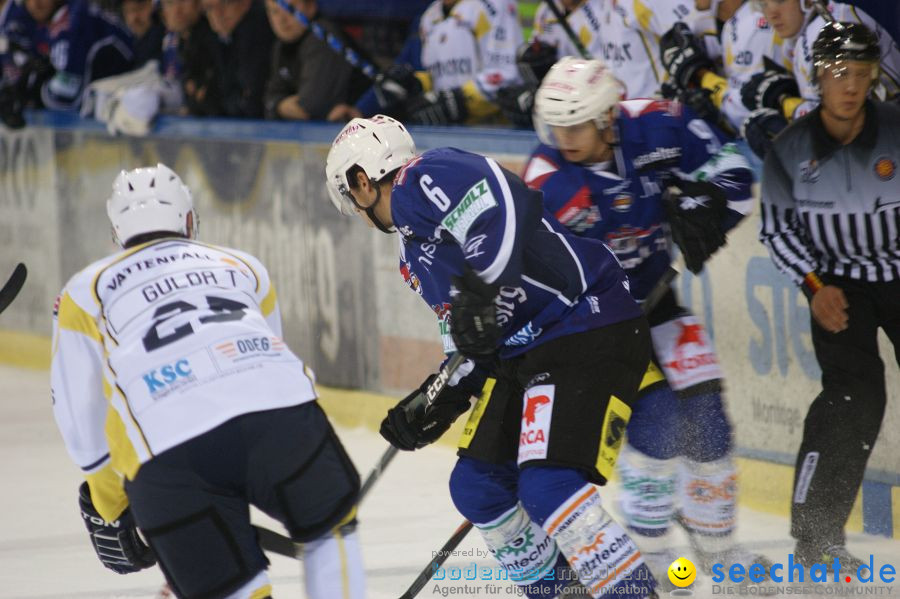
(333, 566)
(708, 492)
(601, 553)
(523, 549)
(647, 493)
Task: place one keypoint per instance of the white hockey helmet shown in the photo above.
(149, 199)
(378, 145)
(575, 91)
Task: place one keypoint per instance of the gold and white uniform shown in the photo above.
(158, 344)
(624, 34)
(473, 47)
(747, 40)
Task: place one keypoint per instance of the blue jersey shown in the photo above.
(24, 35)
(620, 202)
(455, 209)
(86, 44)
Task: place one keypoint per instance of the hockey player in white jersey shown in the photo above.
(624, 34)
(468, 52)
(799, 22)
(749, 43)
(182, 405)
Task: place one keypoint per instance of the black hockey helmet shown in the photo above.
(839, 42)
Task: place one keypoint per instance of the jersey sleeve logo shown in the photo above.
(476, 202)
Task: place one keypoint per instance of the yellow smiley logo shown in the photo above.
(682, 572)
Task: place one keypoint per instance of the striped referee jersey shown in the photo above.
(832, 209)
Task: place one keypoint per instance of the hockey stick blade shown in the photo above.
(439, 559)
(13, 286)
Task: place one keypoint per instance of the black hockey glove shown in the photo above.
(516, 103)
(695, 210)
(683, 55)
(760, 129)
(437, 108)
(768, 89)
(473, 316)
(12, 107)
(534, 60)
(395, 86)
(117, 544)
(700, 101)
(409, 425)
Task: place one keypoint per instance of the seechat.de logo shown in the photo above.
(795, 572)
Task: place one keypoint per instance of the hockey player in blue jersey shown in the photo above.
(55, 48)
(548, 316)
(628, 173)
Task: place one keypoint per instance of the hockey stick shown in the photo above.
(13, 286)
(551, 4)
(275, 542)
(822, 9)
(656, 294)
(442, 555)
(350, 55)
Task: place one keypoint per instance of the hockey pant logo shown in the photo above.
(685, 352)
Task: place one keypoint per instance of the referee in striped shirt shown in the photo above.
(831, 221)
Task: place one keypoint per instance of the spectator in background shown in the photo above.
(308, 77)
(142, 20)
(56, 48)
(187, 55)
(240, 56)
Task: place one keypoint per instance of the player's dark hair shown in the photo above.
(151, 236)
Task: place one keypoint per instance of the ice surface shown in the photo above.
(45, 552)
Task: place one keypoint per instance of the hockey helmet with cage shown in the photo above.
(378, 145)
(839, 43)
(147, 200)
(575, 91)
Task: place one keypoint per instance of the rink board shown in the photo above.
(259, 187)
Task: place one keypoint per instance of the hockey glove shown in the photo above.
(395, 86)
(760, 129)
(695, 210)
(473, 316)
(768, 89)
(438, 108)
(700, 101)
(12, 107)
(117, 543)
(683, 55)
(516, 103)
(409, 425)
(534, 60)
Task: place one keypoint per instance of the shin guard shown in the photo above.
(708, 493)
(602, 554)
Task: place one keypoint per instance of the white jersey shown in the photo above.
(889, 83)
(476, 41)
(631, 54)
(158, 344)
(747, 40)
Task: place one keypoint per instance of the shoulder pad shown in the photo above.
(642, 106)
